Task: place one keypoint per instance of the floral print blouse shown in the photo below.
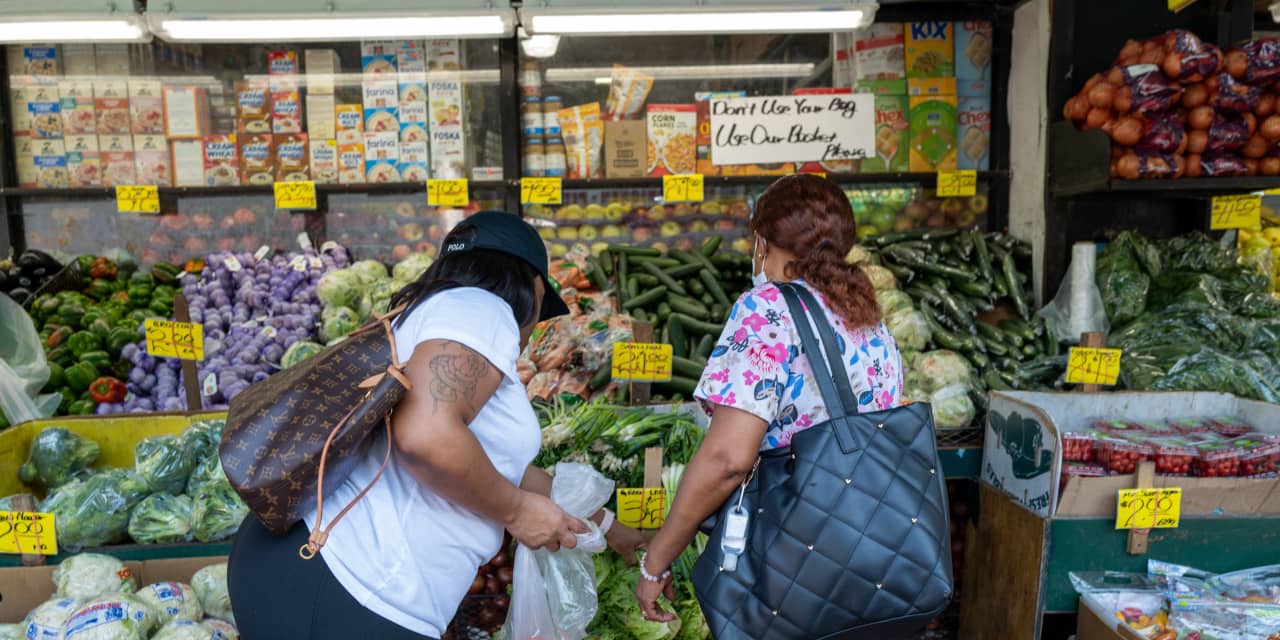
(757, 366)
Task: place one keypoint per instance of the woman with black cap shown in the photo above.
(400, 562)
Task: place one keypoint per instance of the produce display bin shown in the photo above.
(1030, 531)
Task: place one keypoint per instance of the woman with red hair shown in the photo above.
(758, 384)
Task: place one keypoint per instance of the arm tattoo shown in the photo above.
(457, 375)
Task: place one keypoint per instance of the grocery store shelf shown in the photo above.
(93, 193)
(138, 552)
(842, 178)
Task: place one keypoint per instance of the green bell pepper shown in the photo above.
(101, 360)
(100, 289)
(70, 314)
(68, 396)
(91, 315)
(119, 337)
(115, 310)
(61, 355)
(139, 296)
(45, 306)
(83, 264)
(141, 278)
(101, 328)
(80, 375)
(162, 307)
(136, 318)
(57, 377)
(82, 342)
(82, 408)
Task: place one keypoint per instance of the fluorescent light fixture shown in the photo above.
(660, 20)
(602, 75)
(541, 46)
(25, 21)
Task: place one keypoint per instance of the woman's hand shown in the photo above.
(539, 523)
(647, 593)
(625, 541)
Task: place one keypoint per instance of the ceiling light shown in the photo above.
(23, 21)
(320, 20)
(540, 46)
(674, 19)
(602, 75)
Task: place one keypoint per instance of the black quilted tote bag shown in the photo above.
(846, 530)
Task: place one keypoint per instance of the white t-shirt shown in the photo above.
(403, 551)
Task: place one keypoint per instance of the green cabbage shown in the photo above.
(210, 584)
(299, 351)
(161, 518)
(412, 267)
(218, 513)
(340, 288)
(186, 630)
(952, 406)
(99, 512)
(89, 575)
(46, 620)
(892, 301)
(56, 456)
(118, 617)
(369, 271)
(380, 294)
(172, 601)
(881, 278)
(942, 368)
(364, 308)
(338, 323)
(163, 463)
(909, 329)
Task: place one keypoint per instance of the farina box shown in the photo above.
(625, 154)
(320, 116)
(78, 115)
(257, 163)
(414, 161)
(378, 59)
(672, 131)
(349, 121)
(973, 132)
(974, 43)
(146, 106)
(351, 163)
(324, 161)
(930, 49)
(413, 122)
(186, 112)
(286, 111)
(220, 160)
(188, 162)
(151, 160)
(322, 66)
(381, 104)
(933, 133)
(25, 152)
(115, 152)
(381, 157)
(293, 157)
(51, 164)
(84, 168)
(880, 52)
(253, 107)
(45, 112)
(892, 136)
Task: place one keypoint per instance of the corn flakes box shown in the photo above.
(672, 138)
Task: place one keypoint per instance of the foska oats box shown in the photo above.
(115, 152)
(84, 168)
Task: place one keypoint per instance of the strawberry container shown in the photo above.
(1078, 446)
(1080, 471)
(1174, 458)
(1216, 460)
(1231, 427)
(1257, 457)
(1119, 456)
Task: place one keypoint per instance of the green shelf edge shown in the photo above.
(138, 552)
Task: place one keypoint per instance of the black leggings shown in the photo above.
(276, 595)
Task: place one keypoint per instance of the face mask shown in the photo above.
(760, 278)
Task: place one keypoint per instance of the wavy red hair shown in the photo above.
(810, 217)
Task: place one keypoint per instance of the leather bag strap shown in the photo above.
(830, 342)
(822, 374)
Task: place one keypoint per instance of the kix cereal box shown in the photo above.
(930, 49)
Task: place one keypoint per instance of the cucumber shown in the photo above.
(596, 275)
(649, 297)
(714, 288)
(623, 269)
(696, 287)
(633, 288)
(1014, 325)
(710, 245)
(707, 300)
(694, 325)
(631, 250)
(719, 313)
(600, 379)
(645, 280)
(663, 278)
(684, 270)
(688, 307)
(944, 338)
(705, 346)
(989, 333)
(606, 262)
(979, 359)
(661, 263)
(639, 315)
(676, 338)
(689, 257)
(678, 385)
(687, 367)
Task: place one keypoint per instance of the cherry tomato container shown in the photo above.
(1257, 457)
(1121, 456)
(1080, 470)
(1188, 426)
(1216, 460)
(1157, 428)
(1231, 427)
(1174, 459)
(1118, 427)
(1078, 446)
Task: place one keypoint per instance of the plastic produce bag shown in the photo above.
(163, 463)
(952, 406)
(45, 621)
(1077, 308)
(218, 513)
(210, 584)
(226, 630)
(13, 632)
(23, 369)
(202, 438)
(99, 511)
(529, 617)
(57, 456)
(117, 617)
(161, 518)
(172, 601)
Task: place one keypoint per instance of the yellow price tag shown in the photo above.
(685, 187)
(1087, 365)
(642, 508)
(641, 361)
(447, 193)
(957, 184)
(142, 198)
(183, 340)
(1236, 212)
(1178, 5)
(296, 196)
(22, 532)
(540, 191)
(1149, 508)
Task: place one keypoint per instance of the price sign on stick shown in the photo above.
(642, 508)
(183, 340)
(685, 187)
(1236, 212)
(540, 191)
(447, 193)
(1148, 508)
(143, 198)
(296, 196)
(1087, 365)
(957, 184)
(641, 361)
(28, 533)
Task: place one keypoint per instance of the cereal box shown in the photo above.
(25, 152)
(378, 59)
(351, 163)
(672, 138)
(45, 113)
(443, 54)
(146, 106)
(880, 52)
(930, 49)
(220, 160)
(933, 132)
(51, 164)
(411, 57)
(931, 87)
(78, 115)
(188, 162)
(115, 153)
(973, 132)
(413, 122)
(257, 163)
(381, 157)
(974, 42)
(324, 161)
(892, 136)
(282, 62)
(84, 169)
(320, 114)
(349, 121)
(444, 112)
(705, 166)
(286, 112)
(323, 67)
(414, 161)
(151, 160)
(253, 107)
(293, 157)
(186, 112)
(413, 90)
(40, 61)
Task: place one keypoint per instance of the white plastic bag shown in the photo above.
(1077, 308)
(529, 617)
(23, 369)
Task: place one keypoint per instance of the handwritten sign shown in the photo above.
(1149, 508)
(685, 187)
(1087, 365)
(957, 184)
(22, 532)
(641, 361)
(540, 191)
(183, 340)
(642, 508)
(1236, 212)
(812, 128)
(296, 195)
(447, 193)
(142, 198)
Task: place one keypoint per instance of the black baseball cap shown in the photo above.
(506, 232)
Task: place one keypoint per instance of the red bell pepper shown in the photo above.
(107, 389)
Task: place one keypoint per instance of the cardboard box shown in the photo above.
(40, 60)
(672, 131)
(50, 159)
(282, 62)
(930, 49)
(415, 161)
(893, 140)
(186, 112)
(21, 89)
(44, 112)
(320, 116)
(188, 162)
(973, 133)
(933, 133)
(84, 166)
(220, 160)
(115, 152)
(931, 87)
(286, 111)
(151, 160)
(411, 57)
(146, 106)
(413, 122)
(76, 105)
(974, 43)
(253, 106)
(706, 166)
(378, 58)
(257, 160)
(381, 157)
(349, 122)
(351, 163)
(322, 67)
(445, 112)
(293, 157)
(324, 161)
(25, 152)
(625, 154)
(1093, 625)
(880, 52)
(381, 103)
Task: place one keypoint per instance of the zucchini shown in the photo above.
(663, 278)
(714, 288)
(689, 307)
(694, 325)
(705, 346)
(632, 250)
(678, 385)
(687, 367)
(676, 338)
(710, 245)
(649, 297)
